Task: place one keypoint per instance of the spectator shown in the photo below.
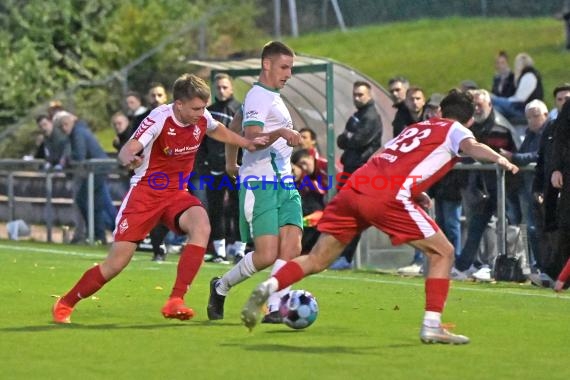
(39, 151)
(412, 112)
(55, 144)
(224, 215)
(120, 123)
(312, 182)
(398, 86)
(309, 141)
(528, 87)
(546, 197)
(504, 78)
(467, 85)
(362, 136)
(54, 107)
(537, 115)
(560, 179)
(84, 146)
(493, 129)
(561, 95)
(136, 111)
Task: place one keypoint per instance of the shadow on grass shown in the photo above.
(113, 326)
(272, 347)
(77, 326)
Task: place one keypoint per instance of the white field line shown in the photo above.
(326, 275)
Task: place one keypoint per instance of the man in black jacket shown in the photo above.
(224, 218)
(560, 179)
(362, 136)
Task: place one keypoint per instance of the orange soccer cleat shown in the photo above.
(174, 308)
(61, 313)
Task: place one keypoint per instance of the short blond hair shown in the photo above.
(190, 86)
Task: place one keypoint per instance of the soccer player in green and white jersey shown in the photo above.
(270, 205)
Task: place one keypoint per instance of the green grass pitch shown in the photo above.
(367, 327)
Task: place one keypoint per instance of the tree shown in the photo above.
(75, 50)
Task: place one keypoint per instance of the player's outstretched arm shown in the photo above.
(224, 135)
(482, 152)
(128, 154)
(232, 150)
(292, 136)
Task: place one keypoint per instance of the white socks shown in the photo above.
(275, 298)
(432, 319)
(240, 272)
(239, 248)
(220, 247)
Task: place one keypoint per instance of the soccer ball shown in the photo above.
(298, 309)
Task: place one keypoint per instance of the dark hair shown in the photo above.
(561, 87)
(298, 155)
(458, 105)
(359, 83)
(135, 95)
(42, 116)
(413, 89)
(189, 86)
(156, 84)
(400, 79)
(311, 132)
(503, 53)
(273, 48)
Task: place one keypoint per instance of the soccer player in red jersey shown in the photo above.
(417, 158)
(161, 152)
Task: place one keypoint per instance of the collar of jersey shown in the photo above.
(272, 89)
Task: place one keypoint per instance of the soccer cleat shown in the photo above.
(220, 260)
(61, 313)
(272, 317)
(441, 335)
(252, 309)
(215, 302)
(174, 308)
(415, 269)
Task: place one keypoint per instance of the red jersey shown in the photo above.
(169, 148)
(414, 160)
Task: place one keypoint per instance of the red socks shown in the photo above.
(190, 261)
(436, 293)
(289, 274)
(91, 281)
(563, 276)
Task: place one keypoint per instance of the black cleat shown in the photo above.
(273, 317)
(215, 302)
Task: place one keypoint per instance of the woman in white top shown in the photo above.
(528, 87)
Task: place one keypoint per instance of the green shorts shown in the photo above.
(265, 208)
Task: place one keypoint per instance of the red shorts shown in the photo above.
(349, 213)
(143, 208)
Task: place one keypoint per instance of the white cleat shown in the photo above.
(251, 312)
(441, 335)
